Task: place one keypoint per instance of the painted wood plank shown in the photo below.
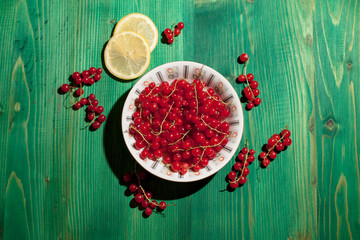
(305, 55)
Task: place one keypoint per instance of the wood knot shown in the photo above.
(330, 124)
(17, 107)
(47, 180)
(112, 21)
(309, 39)
(311, 124)
(349, 65)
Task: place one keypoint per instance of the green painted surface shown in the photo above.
(60, 182)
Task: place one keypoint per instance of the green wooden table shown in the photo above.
(60, 182)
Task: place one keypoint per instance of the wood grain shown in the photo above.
(60, 182)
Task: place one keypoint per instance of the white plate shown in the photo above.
(188, 70)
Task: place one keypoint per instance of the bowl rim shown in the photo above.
(142, 163)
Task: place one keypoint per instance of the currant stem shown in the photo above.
(142, 189)
(209, 146)
(244, 165)
(140, 135)
(272, 148)
(87, 125)
(201, 157)
(180, 139)
(173, 90)
(157, 134)
(197, 102)
(211, 127)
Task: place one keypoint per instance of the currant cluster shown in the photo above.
(184, 123)
(170, 35)
(251, 91)
(142, 197)
(240, 169)
(78, 81)
(93, 110)
(275, 144)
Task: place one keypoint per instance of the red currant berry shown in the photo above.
(77, 106)
(272, 154)
(280, 146)
(139, 198)
(285, 133)
(153, 204)
(196, 168)
(170, 40)
(133, 187)
(234, 185)
(244, 57)
(256, 92)
(242, 180)
(85, 74)
(287, 141)
(250, 158)
(271, 142)
(252, 152)
(99, 71)
(90, 116)
(79, 92)
(75, 75)
(144, 154)
(85, 80)
(245, 150)
(78, 81)
(250, 105)
(177, 31)
(65, 88)
(250, 77)
(180, 25)
(237, 166)
(247, 90)
(245, 172)
(257, 101)
(276, 136)
(162, 205)
(84, 101)
(92, 70)
(91, 81)
(266, 162)
(95, 103)
(241, 156)
(254, 84)
(96, 125)
(148, 195)
(176, 166)
(99, 109)
(127, 177)
(263, 155)
(241, 78)
(148, 211)
(145, 203)
(183, 171)
(97, 77)
(232, 175)
(91, 97)
(101, 118)
(167, 31)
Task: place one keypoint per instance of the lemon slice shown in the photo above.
(127, 55)
(140, 24)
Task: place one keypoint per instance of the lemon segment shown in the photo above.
(140, 24)
(127, 55)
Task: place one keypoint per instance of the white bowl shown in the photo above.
(188, 70)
